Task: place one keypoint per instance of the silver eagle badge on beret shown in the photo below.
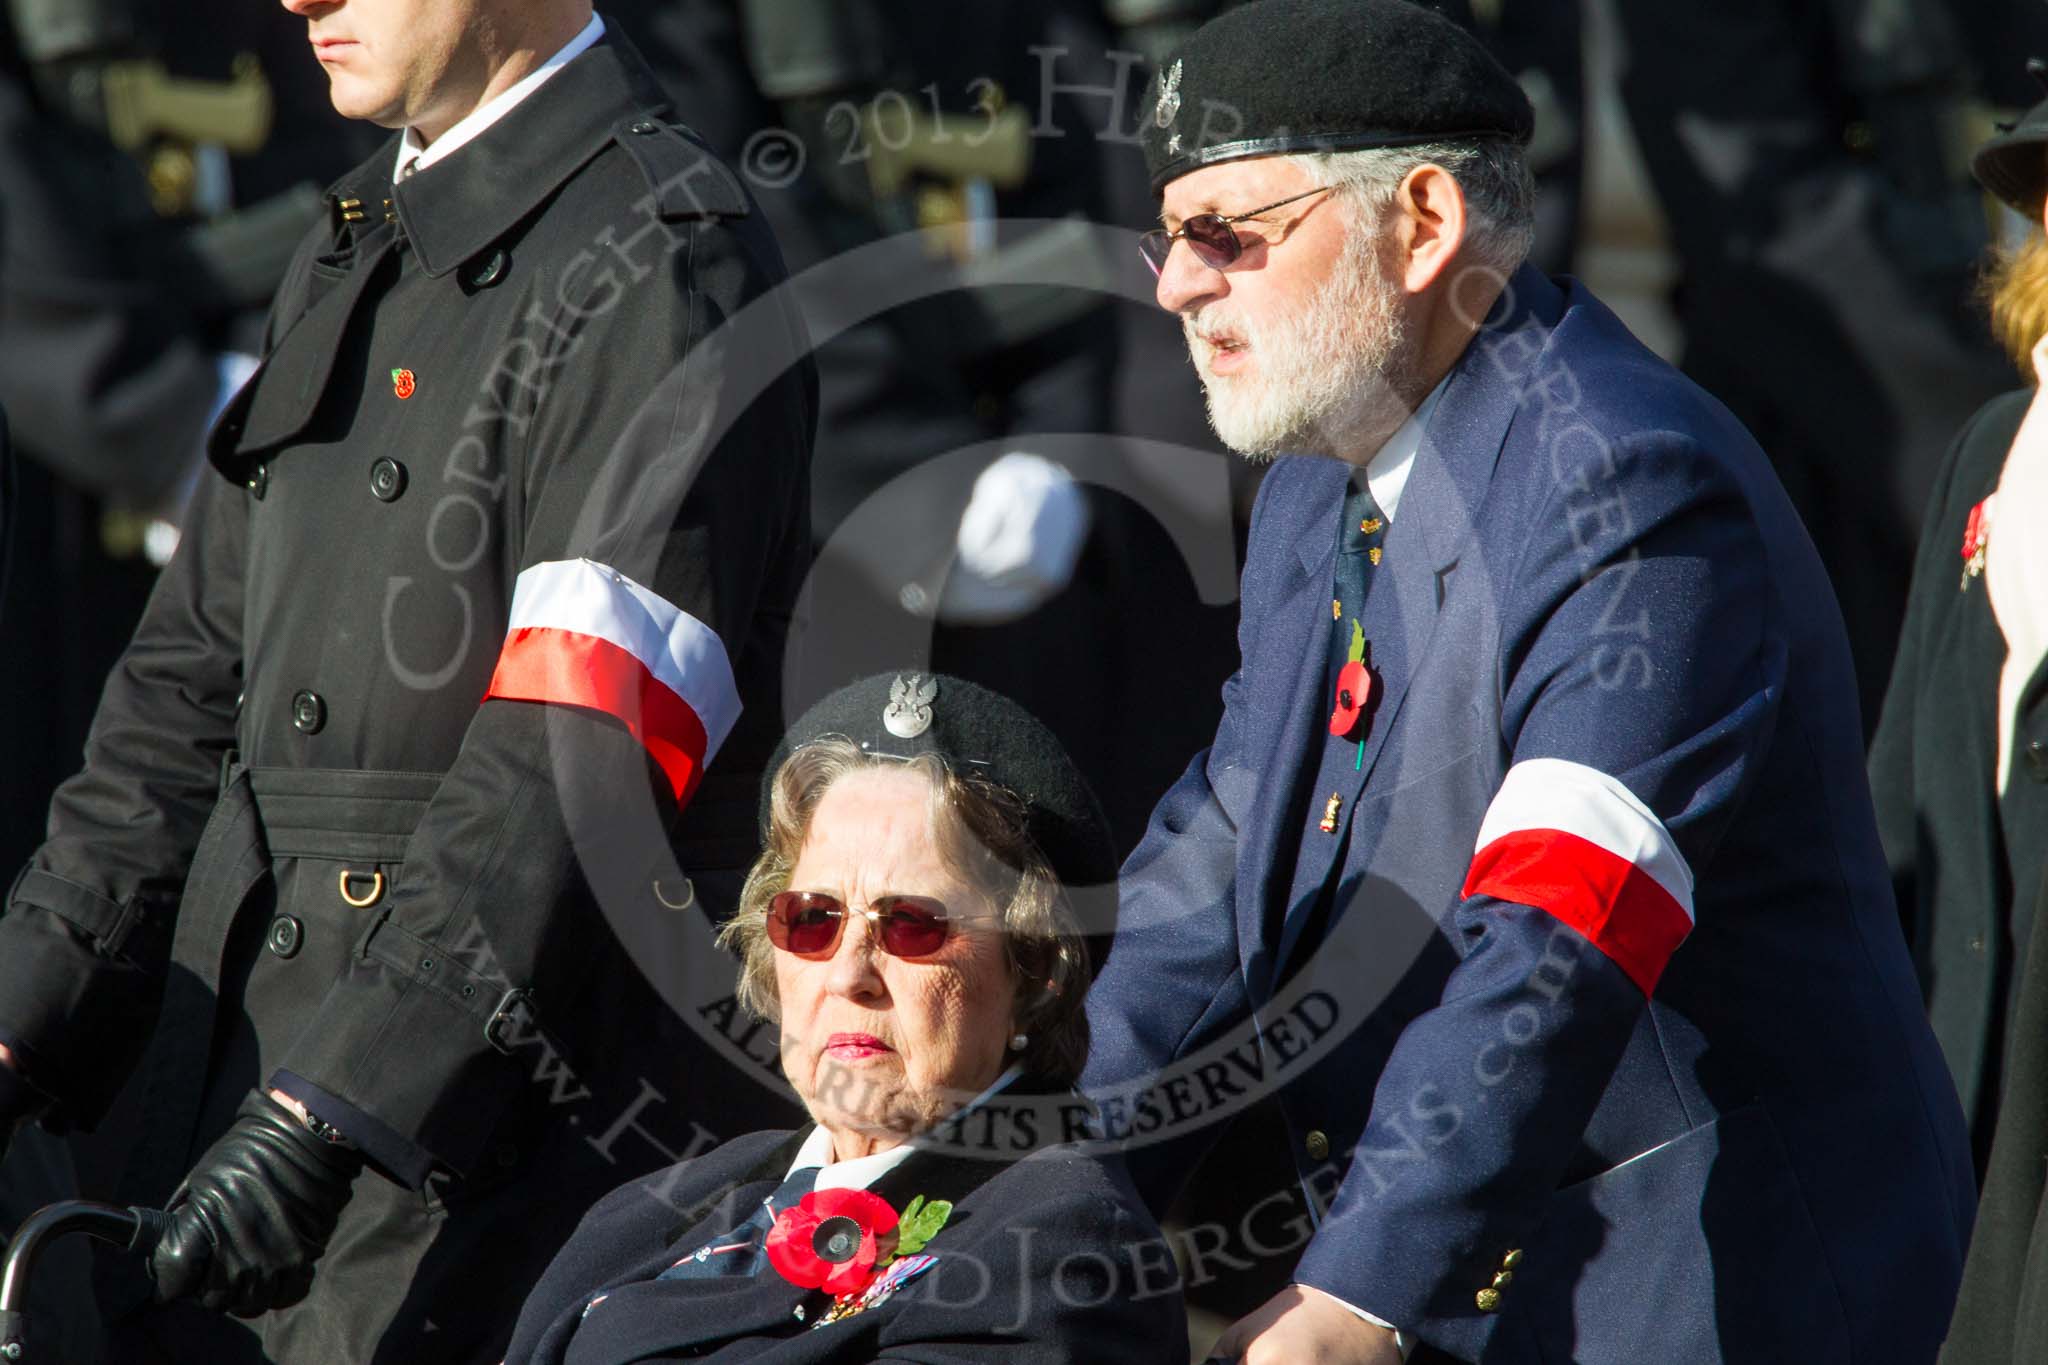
(1169, 98)
(909, 713)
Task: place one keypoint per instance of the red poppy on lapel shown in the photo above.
(1354, 693)
(403, 384)
(1976, 541)
(833, 1240)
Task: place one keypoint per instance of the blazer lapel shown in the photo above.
(280, 399)
(1434, 531)
(1431, 536)
(1299, 631)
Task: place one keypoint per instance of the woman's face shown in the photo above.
(877, 1046)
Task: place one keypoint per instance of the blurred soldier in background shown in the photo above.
(1540, 42)
(1997, 35)
(156, 179)
(1812, 161)
(1154, 28)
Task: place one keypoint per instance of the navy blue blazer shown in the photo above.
(1589, 1012)
(1048, 1258)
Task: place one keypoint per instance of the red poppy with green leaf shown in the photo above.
(839, 1240)
(1354, 688)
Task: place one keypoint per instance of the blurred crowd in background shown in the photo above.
(1014, 477)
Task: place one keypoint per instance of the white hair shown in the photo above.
(1492, 173)
(1335, 370)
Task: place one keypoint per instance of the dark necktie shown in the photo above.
(1361, 531)
(1360, 535)
(740, 1252)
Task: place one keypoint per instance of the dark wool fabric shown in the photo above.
(1324, 75)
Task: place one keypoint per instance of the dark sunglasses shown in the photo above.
(807, 923)
(1209, 235)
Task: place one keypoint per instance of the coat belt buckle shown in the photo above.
(511, 1002)
(368, 898)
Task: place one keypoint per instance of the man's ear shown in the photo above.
(1430, 225)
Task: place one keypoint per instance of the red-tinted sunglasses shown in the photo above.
(807, 923)
(1209, 235)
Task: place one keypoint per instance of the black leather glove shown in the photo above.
(255, 1214)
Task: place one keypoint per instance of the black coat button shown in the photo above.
(387, 480)
(259, 481)
(286, 934)
(489, 270)
(2037, 758)
(309, 713)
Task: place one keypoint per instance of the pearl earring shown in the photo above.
(1019, 1041)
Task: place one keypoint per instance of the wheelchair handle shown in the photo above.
(136, 1229)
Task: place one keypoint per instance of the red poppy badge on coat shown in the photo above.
(833, 1240)
(402, 383)
(1977, 540)
(1354, 689)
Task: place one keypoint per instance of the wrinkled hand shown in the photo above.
(254, 1215)
(1299, 1326)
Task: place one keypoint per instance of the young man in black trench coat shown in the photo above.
(507, 531)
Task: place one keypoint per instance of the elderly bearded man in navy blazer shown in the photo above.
(1533, 861)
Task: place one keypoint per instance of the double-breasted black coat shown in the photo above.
(1966, 858)
(320, 841)
(1046, 1258)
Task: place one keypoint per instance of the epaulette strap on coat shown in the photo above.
(687, 179)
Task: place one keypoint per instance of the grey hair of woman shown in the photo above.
(981, 832)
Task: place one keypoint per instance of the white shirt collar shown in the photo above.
(490, 111)
(1386, 473)
(859, 1172)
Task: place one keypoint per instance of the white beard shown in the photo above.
(1325, 379)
